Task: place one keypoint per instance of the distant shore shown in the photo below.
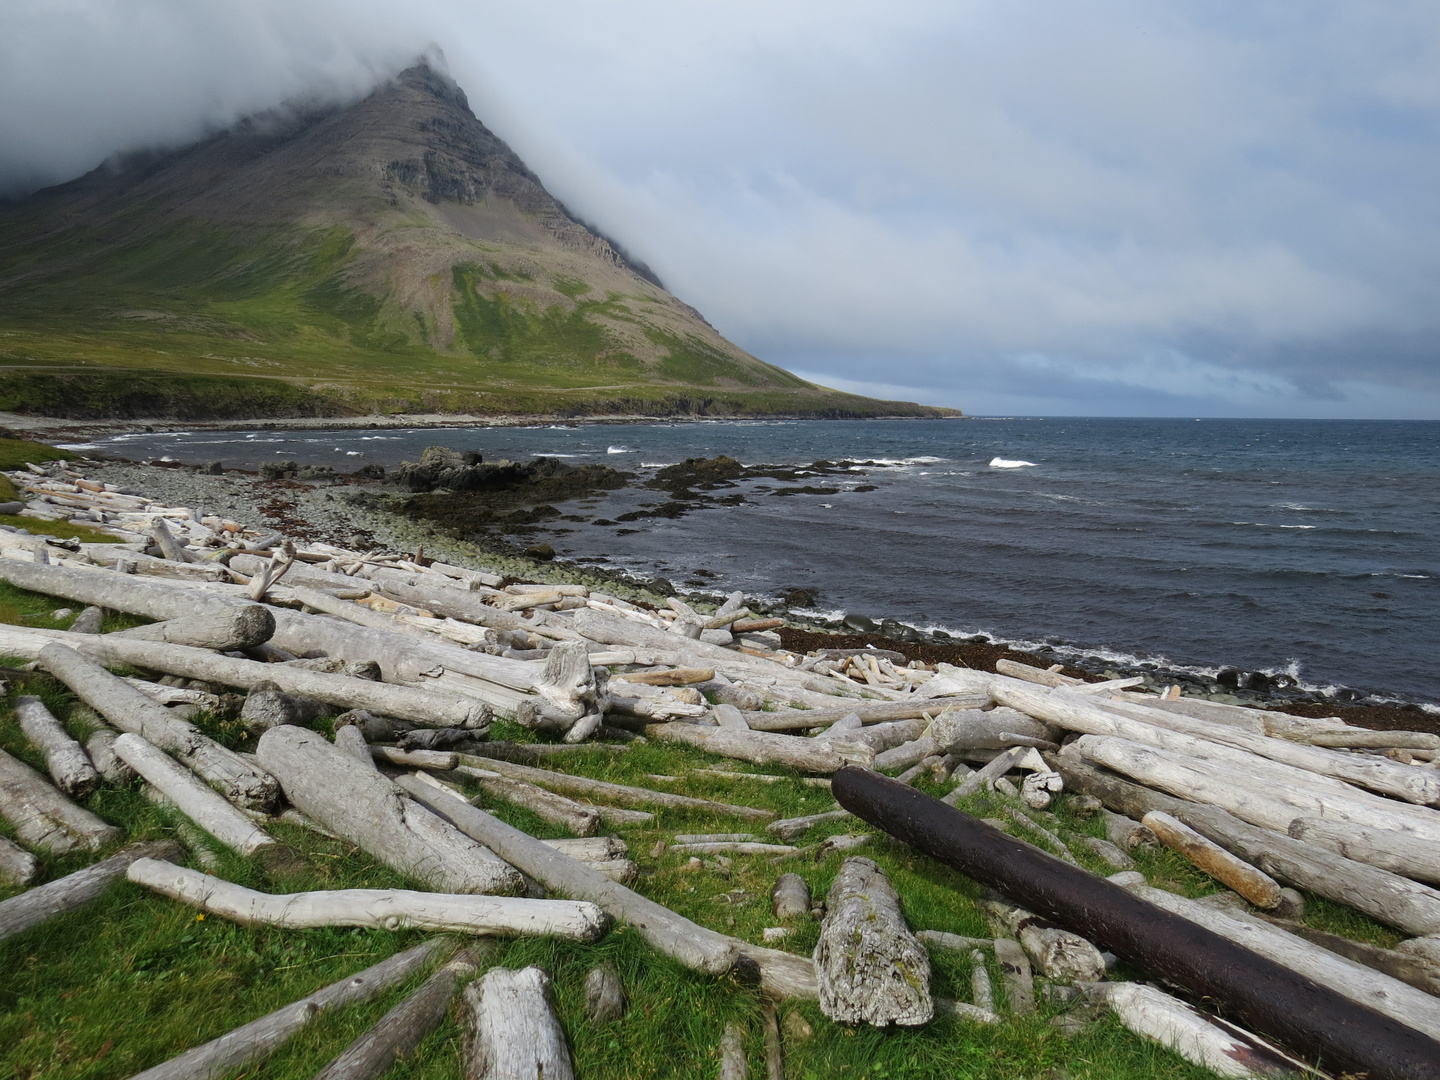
(51, 428)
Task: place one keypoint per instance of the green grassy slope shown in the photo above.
(320, 274)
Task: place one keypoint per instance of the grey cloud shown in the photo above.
(1109, 207)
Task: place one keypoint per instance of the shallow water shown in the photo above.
(1307, 546)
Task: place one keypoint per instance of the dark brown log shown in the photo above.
(1308, 1018)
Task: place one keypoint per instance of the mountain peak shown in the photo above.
(393, 253)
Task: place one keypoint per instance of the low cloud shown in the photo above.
(1019, 207)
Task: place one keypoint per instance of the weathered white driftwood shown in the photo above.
(1390, 898)
(607, 792)
(762, 747)
(18, 867)
(329, 786)
(100, 747)
(1272, 806)
(65, 760)
(982, 994)
(1354, 981)
(734, 1063)
(43, 902)
(790, 898)
(790, 828)
(260, 1038)
(671, 934)
(191, 797)
(381, 909)
(1254, 885)
(42, 817)
(1399, 852)
(1015, 970)
(514, 1033)
(580, 819)
(130, 710)
(604, 994)
(1204, 1040)
(397, 1033)
(241, 627)
(869, 966)
(1058, 953)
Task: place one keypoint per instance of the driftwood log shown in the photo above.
(398, 1033)
(72, 891)
(65, 760)
(1261, 994)
(604, 994)
(44, 818)
(763, 747)
(790, 898)
(130, 710)
(1387, 897)
(870, 712)
(1015, 970)
(381, 909)
(1059, 954)
(100, 748)
(191, 797)
(580, 819)
(1254, 885)
(18, 867)
(240, 627)
(607, 792)
(261, 1038)
(672, 935)
(267, 706)
(514, 1033)
(328, 786)
(734, 1063)
(1361, 985)
(869, 966)
(1398, 852)
(1203, 1040)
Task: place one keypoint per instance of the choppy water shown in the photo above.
(1268, 545)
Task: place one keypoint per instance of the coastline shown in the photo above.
(354, 511)
(51, 428)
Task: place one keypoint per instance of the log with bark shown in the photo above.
(380, 909)
(1254, 885)
(65, 759)
(671, 934)
(512, 1030)
(243, 626)
(327, 785)
(72, 891)
(607, 792)
(869, 966)
(1384, 896)
(1307, 1018)
(400, 1031)
(260, 1038)
(130, 710)
(42, 817)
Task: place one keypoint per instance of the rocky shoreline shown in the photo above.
(360, 511)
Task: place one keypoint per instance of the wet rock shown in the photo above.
(801, 598)
(543, 552)
(861, 624)
(277, 470)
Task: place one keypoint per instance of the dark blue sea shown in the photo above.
(1279, 545)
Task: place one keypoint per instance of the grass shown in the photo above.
(191, 320)
(134, 978)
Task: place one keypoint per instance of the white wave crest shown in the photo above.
(618, 450)
(1006, 463)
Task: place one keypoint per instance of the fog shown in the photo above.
(1016, 208)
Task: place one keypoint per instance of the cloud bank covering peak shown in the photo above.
(1109, 208)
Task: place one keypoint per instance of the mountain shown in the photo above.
(392, 255)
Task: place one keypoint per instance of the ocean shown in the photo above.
(1304, 547)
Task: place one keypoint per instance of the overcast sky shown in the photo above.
(1095, 207)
